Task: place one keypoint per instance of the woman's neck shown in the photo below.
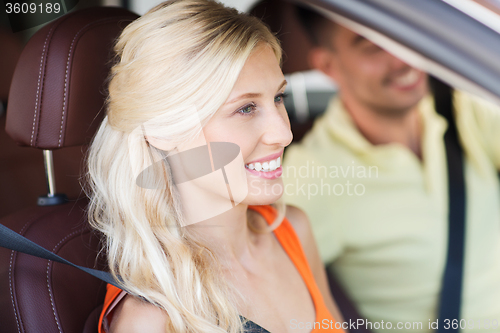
(228, 235)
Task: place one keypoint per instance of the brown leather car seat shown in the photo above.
(56, 100)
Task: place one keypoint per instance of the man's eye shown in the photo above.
(370, 49)
(247, 109)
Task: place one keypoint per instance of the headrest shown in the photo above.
(58, 90)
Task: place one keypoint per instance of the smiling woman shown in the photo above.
(195, 118)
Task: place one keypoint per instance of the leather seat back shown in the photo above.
(57, 100)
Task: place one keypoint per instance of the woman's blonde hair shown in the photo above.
(182, 54)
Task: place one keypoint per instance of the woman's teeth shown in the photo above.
(265, 166)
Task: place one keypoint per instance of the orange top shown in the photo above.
(286, 236)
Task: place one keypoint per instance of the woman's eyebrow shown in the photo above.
(248, 95)
(284, 83)
(253, 95)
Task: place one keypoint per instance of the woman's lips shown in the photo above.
(268, 167)
(267, 175)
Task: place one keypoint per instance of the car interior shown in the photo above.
(71, 57)
(55, 103)
(68, 57)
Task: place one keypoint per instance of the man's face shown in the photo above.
(368, 75)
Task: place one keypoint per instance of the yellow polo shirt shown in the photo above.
(381, 215)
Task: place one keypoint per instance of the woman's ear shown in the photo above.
(324, 60)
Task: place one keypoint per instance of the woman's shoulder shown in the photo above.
(133, 315)
(293, 215)
(300, 223)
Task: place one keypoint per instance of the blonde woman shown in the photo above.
(182, 174)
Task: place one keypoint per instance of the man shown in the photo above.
(372, 177)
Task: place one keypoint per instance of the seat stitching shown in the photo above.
(11, 291)
(10, 284)
(51, 295)
(38, 85)
(67, 69)
(66, 88)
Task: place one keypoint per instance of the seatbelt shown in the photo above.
(14, 241)
(451, 292)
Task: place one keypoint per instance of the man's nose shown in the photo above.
(396, 63)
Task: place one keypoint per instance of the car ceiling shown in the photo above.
(434, 36)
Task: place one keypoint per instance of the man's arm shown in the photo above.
(482, 117)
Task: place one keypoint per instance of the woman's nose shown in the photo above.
(276, 130)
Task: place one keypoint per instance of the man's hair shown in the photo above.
(318, 28)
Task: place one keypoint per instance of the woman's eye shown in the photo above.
(280, 98)
(247, 109)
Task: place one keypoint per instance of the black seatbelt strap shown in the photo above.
(14, 241)
(451, 292)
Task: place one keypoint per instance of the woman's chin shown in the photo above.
(264, 192)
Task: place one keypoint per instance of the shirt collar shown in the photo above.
(342, 127)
